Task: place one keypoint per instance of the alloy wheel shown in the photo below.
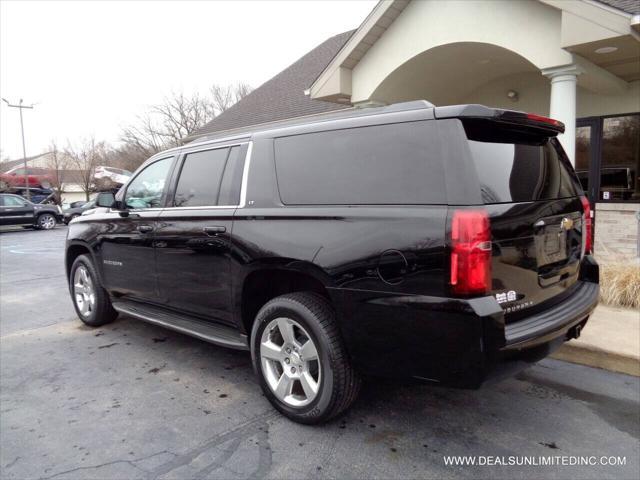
(290, 362)
(84, 291)
(47, 222)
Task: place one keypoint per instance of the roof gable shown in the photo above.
(283, 96)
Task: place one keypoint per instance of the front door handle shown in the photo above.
(213, 231)
(145, 228)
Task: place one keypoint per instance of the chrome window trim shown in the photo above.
(242, 185)
(203, 148)
(182, 152)
(245, 176)
(201, 207)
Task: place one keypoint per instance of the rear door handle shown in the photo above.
(213, 231)
(145, 228)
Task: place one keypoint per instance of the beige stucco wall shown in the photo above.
(534, 89)
(594, 104)
(419, 28)
(533, 93)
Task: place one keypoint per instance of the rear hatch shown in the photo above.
(533, 199)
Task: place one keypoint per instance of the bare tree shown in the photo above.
(57, 164)
(178, 116)
(84, 157)
(165, 125)
(125, 156)
(224, 97)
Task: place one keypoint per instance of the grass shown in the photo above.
(620, 285)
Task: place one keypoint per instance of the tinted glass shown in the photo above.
(232, 179)
(146, 190)
(583, 154)
(620, 169)
(382, 164)
(200, 178)
(10, 201)
(512, 172)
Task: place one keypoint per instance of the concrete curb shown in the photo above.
(596, 357)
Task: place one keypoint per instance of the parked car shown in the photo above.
(19, 176)
(15, 210)
(73, 212)
(445, 244)
(108, 177)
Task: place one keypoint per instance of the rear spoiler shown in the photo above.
(550, 126)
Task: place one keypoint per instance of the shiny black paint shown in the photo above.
(192, 260)
(384, 268)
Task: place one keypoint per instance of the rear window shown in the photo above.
(522, 171)
(378, 165)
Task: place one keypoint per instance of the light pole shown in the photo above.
(20, 106)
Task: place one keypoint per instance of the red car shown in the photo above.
(18, 176)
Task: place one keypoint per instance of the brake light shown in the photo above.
(470, 252)
(541, 119)
(587, 231)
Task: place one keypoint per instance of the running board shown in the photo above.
(209, 332)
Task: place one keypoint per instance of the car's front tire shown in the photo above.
(46, 221)
(90, 300)
(67, 220)
(300, 359)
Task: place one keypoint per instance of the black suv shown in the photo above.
(446, 244)
(16, 210)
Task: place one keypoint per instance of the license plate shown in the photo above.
(551, 245)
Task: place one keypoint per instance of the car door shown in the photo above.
(126, 245)
(15, 210)
(194, 233)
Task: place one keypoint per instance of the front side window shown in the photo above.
(146, 190)
(200, 177)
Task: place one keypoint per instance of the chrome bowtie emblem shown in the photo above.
(566, 223)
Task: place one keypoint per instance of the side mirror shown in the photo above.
(106, 199)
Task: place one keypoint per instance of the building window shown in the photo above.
(608, 157)
(620, 165)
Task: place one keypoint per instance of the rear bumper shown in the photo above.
(554, 322)
(456, 341)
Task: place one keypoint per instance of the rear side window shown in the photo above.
(232, 178)
(200, 178)
(378, 165)
(514, 170)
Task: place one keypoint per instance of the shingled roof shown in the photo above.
(627, 6)
(283, 96)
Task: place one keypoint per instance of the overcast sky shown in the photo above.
(92, 66)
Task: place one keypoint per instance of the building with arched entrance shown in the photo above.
(574, 60)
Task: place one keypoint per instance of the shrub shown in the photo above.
(620, 285)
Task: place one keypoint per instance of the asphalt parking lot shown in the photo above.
(131, 400)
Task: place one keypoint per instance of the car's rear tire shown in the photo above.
(90, 300)
(46, 221)
(307, 390)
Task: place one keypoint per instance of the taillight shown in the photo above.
(587, 229)
(470, 252)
